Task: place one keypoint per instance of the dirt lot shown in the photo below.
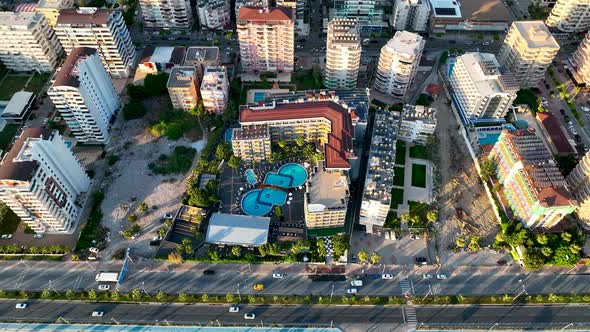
(460, 188)
(129, 182)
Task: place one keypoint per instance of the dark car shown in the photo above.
(155, 243)
(578, 138)
(209, 272)
(421, 260)
(501, 262)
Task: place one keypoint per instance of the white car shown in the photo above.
(97, 313)
(387, 276)
(278, 275)
(93, 249)
(21, 305)
(427, 276)
(234, 309)
(249, 316)
(7, 236)
(167, 216)
(38, 236)
(104, 287)
(441, 276)
(351, 291)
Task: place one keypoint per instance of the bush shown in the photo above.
(133, 110)
(92, 231)
(8, 220)
(179, 161)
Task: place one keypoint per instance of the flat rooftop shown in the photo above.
(84, 15)
(233, 229)
(181, 77)
(419, 112)
(484, 10)
(201, 53)
(405, 42)
(446, 8)
(22, 19)
(487, 75)
(327, 190)
(536, 34)
(22, 170)
(18, 104)
(251, 132)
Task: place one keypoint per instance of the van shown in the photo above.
(356, 283)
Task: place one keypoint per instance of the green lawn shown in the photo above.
(419, 175)
(398, 176)
(419, 151)
(11, 85)
(400, 153)
(8, 220)
(7, 134)
(397, 197)
(528, 97)
(37, 83)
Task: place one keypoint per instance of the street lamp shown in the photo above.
(239, 296)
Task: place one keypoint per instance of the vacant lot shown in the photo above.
(419, 175)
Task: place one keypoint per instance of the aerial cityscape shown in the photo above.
(294, 165)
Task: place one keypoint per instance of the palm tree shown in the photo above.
(375, 258)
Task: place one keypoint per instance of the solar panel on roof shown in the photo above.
(445, 11)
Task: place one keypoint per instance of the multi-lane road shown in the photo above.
(240, 278)
(473, 316)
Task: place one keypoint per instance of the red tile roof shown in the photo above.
(556, 135)
(68, 75)
(259, 14)
(21, 170)
(339, 146)
(77, 16)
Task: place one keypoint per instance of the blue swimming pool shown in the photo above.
(272, 196)
(488, 138)
(251, 176)
(278, 180)
(228, 136)
(295, 171)
(252, 206)
(258, 96)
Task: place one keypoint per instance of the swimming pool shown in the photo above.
(296, 172)
(251, 176)
(228, 136)
(272, 196)
(488, 138)
(278, 180)
(258, 96)
(252, 206)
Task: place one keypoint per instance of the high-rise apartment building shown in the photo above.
(580, 62)
(182, 87)
(367, 12)
(266, 39)
(481, 88)
(84, 94)
(418, 122)
(167, 14)
(411, 15)
(215, 89)
(343, 54)
(213, 14)
(201, 57)
(570, 15)
(528, 49)
(27, 42)
(42, 182)
(50, 9)
(398, 63)
(532, 183)
(579, 182)
(379, 177)
(102, 29)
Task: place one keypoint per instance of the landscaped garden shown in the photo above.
(419, 152)
(398, 176)
(397, 197)
(419, 175)
(400, 153)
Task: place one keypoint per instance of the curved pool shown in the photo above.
(296, 172)
(252, 206)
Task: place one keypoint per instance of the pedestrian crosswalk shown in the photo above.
(405, 286)
(411, 320)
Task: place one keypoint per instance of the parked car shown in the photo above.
(38, 236)
(258, 287)
(97, 313)
(93, 250)
(501, 262)
(209, 272)
(427, 276)
(421, 260)
(386, 276)
(249, 316)
(167, 216)
(441, 276)
(234, 309)
(155, 243)
(21, 306)
(6, 236)
(277, 275)
(104, 287)
(351, 291)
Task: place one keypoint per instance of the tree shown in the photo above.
(199, 110)
(143, 207)
(363, 256)
(213, 255)
(563, 256)
(182, 297)
(162, 232)
(566, 237)
(136, 294)
(460, 242)
(204, 297)
(375, 258)
(161, 296)
(236, 251)
(541, 238)
(115, 296)
(45, 294)
(474, 243)
(300, 141)
(92, 295)
(488, 170)
(132, 218)
(278, 211)
(222, 151)
(70, 294)
(282, 143)
(234, 162)
(406, 217)
(546, 251)
(175, 257)
(432, 216)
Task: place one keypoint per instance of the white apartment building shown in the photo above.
(84, 94)
(570, 15)
(266, 39)
(167, 14)
(42, 182)
(580, 62)
(398, 63)
(298, 6)
(368, 13)
(102, 29)
(343, 54)
(379, 178)
(528, 49)
(213, 14)
(411, 15)
(215, 89)
(579, 183)
(50, 9)
(28, 42)
(418, 122)
(182, 87)
(481, 87)
(201, 57)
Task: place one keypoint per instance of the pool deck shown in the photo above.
(267, 92)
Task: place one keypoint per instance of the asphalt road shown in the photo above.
(432, 316)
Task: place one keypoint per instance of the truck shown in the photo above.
(107, 277)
